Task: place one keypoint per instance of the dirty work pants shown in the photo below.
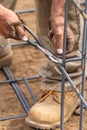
(51, 77)
(11, 5)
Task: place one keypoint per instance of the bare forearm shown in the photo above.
(57, 7)
(57, 11)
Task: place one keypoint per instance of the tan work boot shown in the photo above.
(5, 52)
(45, 114)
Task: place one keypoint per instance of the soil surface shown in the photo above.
(27, 62)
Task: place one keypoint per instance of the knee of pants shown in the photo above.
(8, 3)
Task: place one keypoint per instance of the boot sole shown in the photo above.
(50, 126)
(6, 60)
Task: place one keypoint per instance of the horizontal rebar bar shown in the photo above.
(19, 44)
(13, 117)
(25, 11)
(20, 79)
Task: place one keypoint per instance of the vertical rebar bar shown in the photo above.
(83, 64)
(63, 63)
(30, 90)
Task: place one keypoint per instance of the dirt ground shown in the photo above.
(26, 63)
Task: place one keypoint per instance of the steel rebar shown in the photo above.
(20, 79)
(25, 11)
(17, 90)
(83, 64)
(30, 91)
(13, 117)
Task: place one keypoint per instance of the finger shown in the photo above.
(59, 44)
(56, 42)
(20, 33)
(58, 32)
(8, 31)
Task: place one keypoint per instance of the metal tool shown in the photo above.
(48, 53)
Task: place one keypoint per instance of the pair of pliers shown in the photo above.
(40, 46)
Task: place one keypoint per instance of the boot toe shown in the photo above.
(40, 112)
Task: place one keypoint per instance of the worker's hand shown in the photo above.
(56, 35)
(10, 25)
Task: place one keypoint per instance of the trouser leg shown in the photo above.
(73, 68)
(9, 3)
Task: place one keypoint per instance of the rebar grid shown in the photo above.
(13, 82)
